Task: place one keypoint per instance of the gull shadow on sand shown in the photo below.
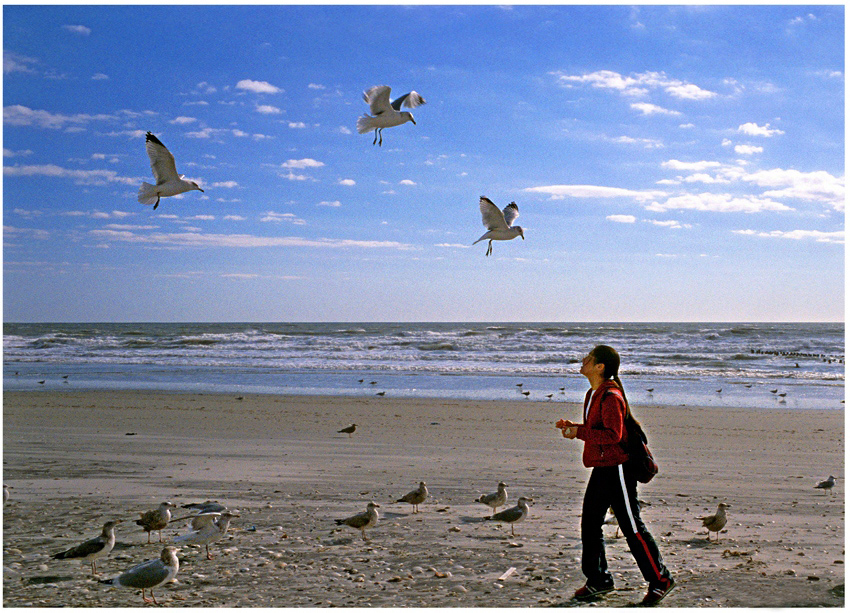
(48, 579)
(468, 519)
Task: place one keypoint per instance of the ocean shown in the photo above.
(692, 364)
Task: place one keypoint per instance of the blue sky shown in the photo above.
(670, 163)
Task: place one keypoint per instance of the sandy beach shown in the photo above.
(77, 459)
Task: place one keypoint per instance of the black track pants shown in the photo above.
(611, 486)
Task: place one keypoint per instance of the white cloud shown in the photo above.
(559, 192)
(347, 182)
(638, 84)
(334, 203)
(688, 91)
(315, 86)
(670, 223)
(81, 177)
(8, 153)
(748, 149)
(274, 217)
(799, 235)
(718, 203)
(182, 120)
(694, 166)
(303, 163)
(812, 186)
(18, 115)
(258, 87)
(648, 143)
(228, 184)
(81, 30)
(754, 129)
(241, 241)
(652, 109)
(12, 62)
(234, 218)
(406, 182)
(99, 77)
(297, 125)
(268, 109)
(622, 218)
(345, 130)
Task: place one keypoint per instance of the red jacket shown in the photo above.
(603, 428)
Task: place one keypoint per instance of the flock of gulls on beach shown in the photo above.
(385, 114)
(209, 522)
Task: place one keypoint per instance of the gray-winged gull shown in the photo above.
(498, 223)
(208, 506)
(826, 485)
(150, 574)
(361, 521)
(156, 519)
(386, 115)
(416, 497)
(207, 528)
(514, 514)
(168, 182)
(497, 498)
(716, 522)
(93, 549)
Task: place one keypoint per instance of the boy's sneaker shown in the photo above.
(657, 592)
(588, 592)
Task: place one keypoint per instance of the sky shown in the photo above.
(670, 163)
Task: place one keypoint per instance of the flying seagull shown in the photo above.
(168, 182)
(361, 521)
(150, 574)
(93, 549)
(156, 519)
(384, 114)
(514, 514)
(498, 223)
(207, 528)
(416, 497)
(497, 498)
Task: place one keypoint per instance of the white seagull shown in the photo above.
(386, 115)
(497, 498)
(150, 574)
(93, 549)
(207, 528)
(498, 223)
(168, 182)
(416, 497)
(826, 485)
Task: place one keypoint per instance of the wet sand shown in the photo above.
(77, 459)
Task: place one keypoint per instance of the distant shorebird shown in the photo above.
(349, 430)
(207, 528)
(498, 223)
(150, 574)
(5, 493)
(497, 498)
(386, 115)
(208, 506)
(93, 549)
(361, 521)
(156, 519)
(826, 485)
(416, 497)
(716, 522)
(168, 182)
(514, 515)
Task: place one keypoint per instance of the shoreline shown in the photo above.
(84, 456)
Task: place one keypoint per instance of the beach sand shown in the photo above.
(77, 459)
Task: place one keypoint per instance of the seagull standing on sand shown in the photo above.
(150, 574)
(416, 497)
(156, 519)
(168, 182)
(386, 115)
(361, 521)
(497, 498)
(5, 493)
(207, 528)
(208, 506)
(716, 522)
(498, 223)
(349, 430)
(93, 549)
(515, 514)
(826, 485)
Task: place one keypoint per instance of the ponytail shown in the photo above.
(608, 356)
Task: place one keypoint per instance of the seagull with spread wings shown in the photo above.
(498, 223)
(384, 114)
(168, 182)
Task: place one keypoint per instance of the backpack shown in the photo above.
(641, 465)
